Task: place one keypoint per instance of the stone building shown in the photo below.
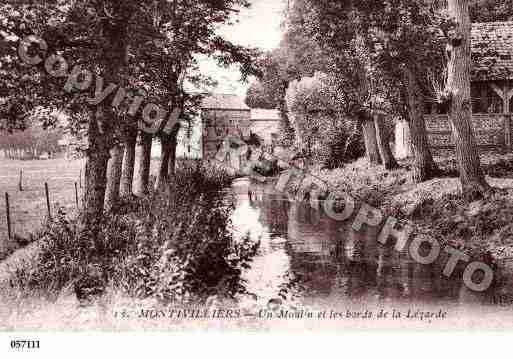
(223, 115)
(266, 125)
(491, 91)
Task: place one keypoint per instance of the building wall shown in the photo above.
(491, 119)
(217, 124)
(489, 130)
(266, 129)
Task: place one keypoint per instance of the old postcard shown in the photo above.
(255, 165)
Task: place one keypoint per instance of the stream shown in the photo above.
(308, 259)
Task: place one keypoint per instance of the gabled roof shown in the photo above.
(224, 102)
(492, 51)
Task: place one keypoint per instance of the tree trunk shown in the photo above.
(144, 164)
(95, 175)
(127, 175)
(165, 152)
(371, 144)
(287, 133)
(113, 177)
(171, 168)
(167, 160)
(458, 89)
(424, 168)
(104, 127)
(383, 141)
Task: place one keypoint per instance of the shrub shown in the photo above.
(172, 246)
(185, 252)
(323, 132)
(71, 255)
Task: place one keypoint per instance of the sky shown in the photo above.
(259, 26)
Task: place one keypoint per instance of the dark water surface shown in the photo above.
(308, 258)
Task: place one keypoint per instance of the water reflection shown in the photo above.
(269, 269)
(306, 256)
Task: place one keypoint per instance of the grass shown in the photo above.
(28, 207)
(436, 207)
(168, 247)
(159, 254)
(379, 187)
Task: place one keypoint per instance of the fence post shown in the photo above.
(76, 195)
(80, 178)
(48, 201)
(8, 213)
(20, 183)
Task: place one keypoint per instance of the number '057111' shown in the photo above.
(24, 344)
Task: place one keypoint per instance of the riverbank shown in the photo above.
(435, 207)
(172, 247)
(28, 207)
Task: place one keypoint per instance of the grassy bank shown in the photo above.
(435, 207)
(172, 247)
(28, 207)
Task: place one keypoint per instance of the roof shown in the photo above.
(224, 102)
(492, 51)
(258, 114)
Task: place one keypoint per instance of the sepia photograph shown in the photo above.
(255, 166)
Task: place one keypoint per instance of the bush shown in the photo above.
(71, 255)
(172, 247)
(323, 132)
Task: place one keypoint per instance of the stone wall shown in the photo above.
(219, 123)
(488, 128)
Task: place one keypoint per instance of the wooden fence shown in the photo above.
(491, 131)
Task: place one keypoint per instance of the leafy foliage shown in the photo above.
(322, 130)
(32, 142)
(148, 48)
(174, 248)
(257, 97)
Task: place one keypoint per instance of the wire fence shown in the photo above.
(30, 199)
(48, 202)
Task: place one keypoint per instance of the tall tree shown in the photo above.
(400, 39)
(104, 155)
(183, 33)
(424, 166)
(340, 41)
(456, 97)
(143, 174)
(406, 48)
(92, 35)
(383, 134)
(258, 97)
(277, 72)
(127, 174)
(110, 38)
